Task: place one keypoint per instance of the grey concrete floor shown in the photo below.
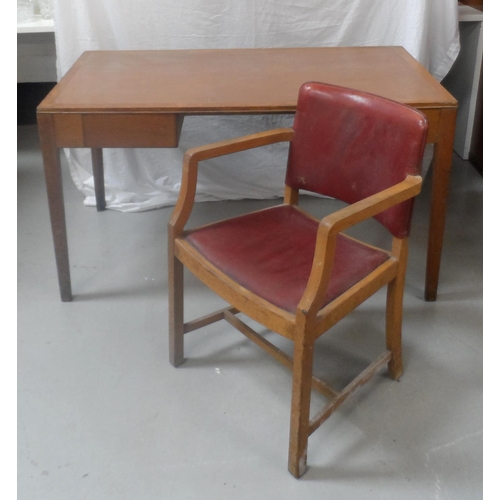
(103, 415)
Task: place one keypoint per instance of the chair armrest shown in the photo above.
(338, 221)
(192, 156)
(238, 144)
(371, 206)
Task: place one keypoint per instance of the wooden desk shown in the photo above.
(126, 99)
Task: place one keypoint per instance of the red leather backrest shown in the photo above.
(350, 145)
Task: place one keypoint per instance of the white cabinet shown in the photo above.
(36, 51)
(463, 79)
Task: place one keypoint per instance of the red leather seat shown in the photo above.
(294, 274)
(270, 253)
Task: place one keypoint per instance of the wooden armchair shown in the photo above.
(296, 275)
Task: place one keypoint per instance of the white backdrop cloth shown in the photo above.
(143, 179)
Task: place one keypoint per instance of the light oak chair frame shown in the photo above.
(310, 319)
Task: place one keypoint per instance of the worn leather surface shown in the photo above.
(270, 253)
(350, 145)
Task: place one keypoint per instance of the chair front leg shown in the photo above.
(394, 310)
(393, 330)
(301, 398)
(175, 307)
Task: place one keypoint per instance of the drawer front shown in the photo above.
(117, 130)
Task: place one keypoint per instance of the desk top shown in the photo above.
(225, 81)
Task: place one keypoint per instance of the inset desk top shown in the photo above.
(224, 81)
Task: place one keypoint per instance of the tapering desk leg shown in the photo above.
(98, 171)
(53, 179)
(443, 155)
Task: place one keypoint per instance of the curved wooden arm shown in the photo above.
(192, 156)
(239, 144)
(336, 222)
